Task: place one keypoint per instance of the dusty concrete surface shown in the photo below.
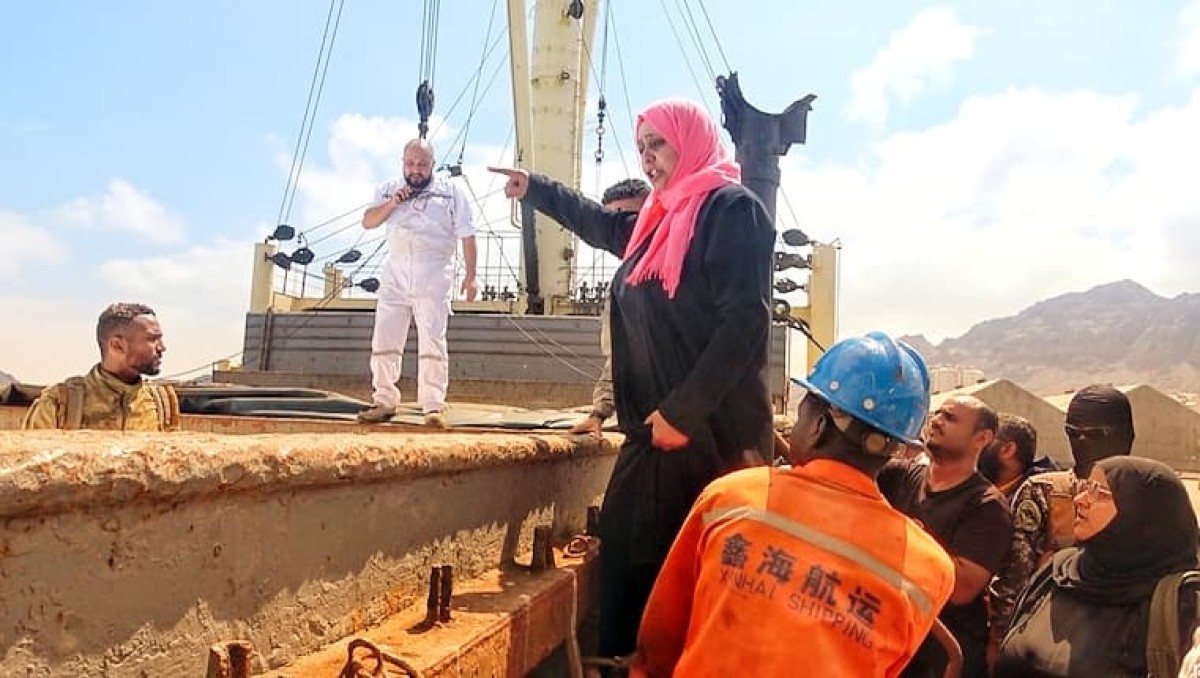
(132, 554)
(504, 623)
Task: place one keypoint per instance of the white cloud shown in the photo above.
(207, 270)
(56, 339)
(125, 208)
(916, 58)
(1188, 56)
(51, 338)
(1022, 196)
(25, 244)
(200, 294)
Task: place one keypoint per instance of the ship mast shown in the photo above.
(550, 88)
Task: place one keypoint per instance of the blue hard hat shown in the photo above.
(876, 379)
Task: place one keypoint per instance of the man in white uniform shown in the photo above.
(425, 217)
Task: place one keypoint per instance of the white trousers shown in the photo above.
(392, 319)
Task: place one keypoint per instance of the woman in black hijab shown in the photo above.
(1086, 613)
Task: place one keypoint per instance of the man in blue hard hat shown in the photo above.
(776, 566)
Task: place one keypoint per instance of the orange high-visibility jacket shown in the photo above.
(804, 571)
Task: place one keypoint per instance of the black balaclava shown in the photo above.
(1100, 405)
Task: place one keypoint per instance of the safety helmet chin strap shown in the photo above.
(866, 438)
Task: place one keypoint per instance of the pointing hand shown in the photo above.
(518, 181)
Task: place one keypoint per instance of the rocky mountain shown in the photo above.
(1120, 333)
(6, 378)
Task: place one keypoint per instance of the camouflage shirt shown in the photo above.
(106, 403)
(1034, 541)
(602, 394)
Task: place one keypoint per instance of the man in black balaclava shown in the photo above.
(1099, 425)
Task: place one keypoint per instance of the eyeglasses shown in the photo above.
(1080, 433)
(1094, 490)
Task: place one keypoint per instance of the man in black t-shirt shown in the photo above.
(966, 514)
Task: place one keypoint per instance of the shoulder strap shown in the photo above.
(1164, 647)
(166, 402)
(172, 398)
(1061, 505)
(1039, 582)
(72, 416)
(1060, 481)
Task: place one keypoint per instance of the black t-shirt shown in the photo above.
(971, 521)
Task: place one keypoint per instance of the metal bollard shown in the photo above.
(593, 521)
(543, 549)
(433, 602)
(446, 593)
(230, 659)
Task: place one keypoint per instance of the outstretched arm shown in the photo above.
(602, 228)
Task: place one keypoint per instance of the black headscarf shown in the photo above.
(1153, 534)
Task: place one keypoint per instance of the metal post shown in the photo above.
(558, 89)
(262, 279)
(821, 313)
(335, 280)
(761, 138)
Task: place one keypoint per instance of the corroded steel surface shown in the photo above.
(504, 624)
(53, 471)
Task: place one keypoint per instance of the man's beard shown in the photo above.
(417, 183)
(989, 466)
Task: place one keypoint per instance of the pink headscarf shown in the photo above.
(704, 165)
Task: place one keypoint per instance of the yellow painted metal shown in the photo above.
(262, 279)
(518, 50)
(335, 281)
(561, 63)
(821, 311)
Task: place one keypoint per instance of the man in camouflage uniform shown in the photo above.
(1009, 460)
(113, 395)
(626, 195)
(1099, 425)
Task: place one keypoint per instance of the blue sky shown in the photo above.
(146, 145)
